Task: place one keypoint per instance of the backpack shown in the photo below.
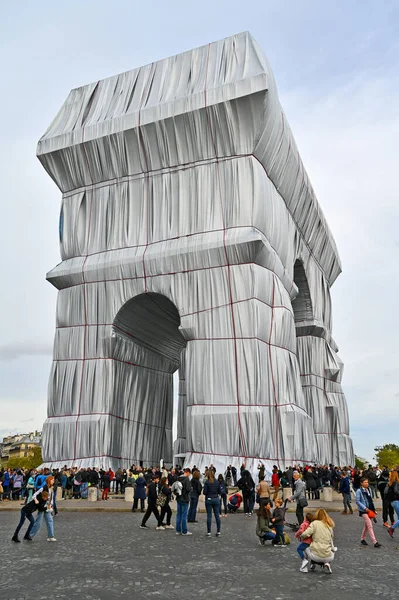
(177, 488)
(222, 489)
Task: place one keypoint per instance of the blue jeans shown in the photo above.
(22, 521)
(269, 535)
(301, 547)
(212, 504)
(181, 517)
(54, 500)
(48, 517)
(395, 505)
(280, 533)
(192, 513)
(223, 500)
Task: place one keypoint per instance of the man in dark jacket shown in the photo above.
(152, 495)
(182, 503)
(345, 490)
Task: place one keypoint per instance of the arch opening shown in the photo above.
(146, 346)
(302, 304)
(151, 321)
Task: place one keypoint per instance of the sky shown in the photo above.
(336, 66)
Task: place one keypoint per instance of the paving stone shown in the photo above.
(106, 555)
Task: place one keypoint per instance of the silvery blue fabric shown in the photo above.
(191, 238)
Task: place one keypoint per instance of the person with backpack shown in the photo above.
(247, 486)
(394, 494)
(182, 500)
(212, 492)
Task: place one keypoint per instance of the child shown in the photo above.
(38, 503)
(263, 525)
(309, 518)
(278, 522)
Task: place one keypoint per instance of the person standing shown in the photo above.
(300, 496)
(139, 493)
(247, 486)
(106, 485)
(212, 492)
(263, 491)
(278, 522)
(345, 490)
(393, 492)
(275, 483)
(383, 488)
(182, 501)
(234, 475)
(196, 489)
(366, 509)
(223, 495)
(163, 500)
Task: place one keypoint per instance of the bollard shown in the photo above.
(129, 494)
(327, 494)
(92, 494)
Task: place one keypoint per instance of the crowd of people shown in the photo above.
(155, 488)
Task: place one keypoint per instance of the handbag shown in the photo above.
(161, 500)
(302, 502)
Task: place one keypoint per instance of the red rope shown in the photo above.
(83, 265)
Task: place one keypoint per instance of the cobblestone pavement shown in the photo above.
(106, 556)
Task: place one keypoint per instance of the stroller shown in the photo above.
(293, 526)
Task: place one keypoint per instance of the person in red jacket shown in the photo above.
(234, 502)
(275, 483)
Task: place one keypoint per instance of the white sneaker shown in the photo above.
(305, 562)
(160, 528)
(327, 569)
(169, 527)
(51, 539)
(188, 533)
(304, 570)
(209, 534)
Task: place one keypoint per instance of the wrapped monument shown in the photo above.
(191, 239)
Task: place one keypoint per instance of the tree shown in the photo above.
(360, 463)
(26, 462)
(387, 455)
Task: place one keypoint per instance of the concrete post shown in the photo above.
(327, 494)
(129, 493)
(92, 494)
